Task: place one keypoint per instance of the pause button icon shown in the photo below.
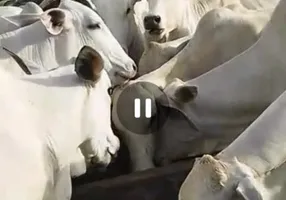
(137, 106)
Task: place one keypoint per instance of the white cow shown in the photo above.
(252, 167)
(124, 18)
(156, 54)
(220, 35)
(168, 19)
(54, 116)
(29, 14)
(233, 32)
(229, 98)
(56, 38)
(220, 104)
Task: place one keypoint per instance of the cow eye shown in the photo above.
(94, 26)
(128, 11)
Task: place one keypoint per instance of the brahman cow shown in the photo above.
(221, 34)
(217, 106)
(252, 167)
(229, 98)
(156, 54)
(54, 116)
(55, 39)
(168, 19)
(124, 18)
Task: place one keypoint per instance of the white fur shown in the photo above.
(180, 18)
(35, 44)
(126, 27)
(44, 119)
(29, 14)
(222, 34)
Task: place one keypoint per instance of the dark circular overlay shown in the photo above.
(142, 124)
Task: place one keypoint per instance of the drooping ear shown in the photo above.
(248, 189)
(55, 20)
(185, 93)
(88, 64)
(49, 4)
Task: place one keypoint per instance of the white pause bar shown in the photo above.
(137, 106)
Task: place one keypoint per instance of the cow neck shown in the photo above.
(262, 145)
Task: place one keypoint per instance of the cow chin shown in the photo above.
(160, 38)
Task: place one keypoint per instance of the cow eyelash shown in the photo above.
(94, 26)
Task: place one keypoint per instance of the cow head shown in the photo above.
(80, 25)
(97, 141)
(118, 16)
(101, 144)
(212, 179)
(92, 31)
(164, 17)
(178, 137)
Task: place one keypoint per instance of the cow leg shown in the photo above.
(63, 187)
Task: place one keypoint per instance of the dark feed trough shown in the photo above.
(117, 183)
(155, 184)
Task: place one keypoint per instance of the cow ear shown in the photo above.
(55, 21)
(88, 64)
(248, 189)
(185, 93)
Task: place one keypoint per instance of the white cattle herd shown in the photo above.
(65, 65)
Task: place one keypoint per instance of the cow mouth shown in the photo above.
(156, 31)
(126, 76)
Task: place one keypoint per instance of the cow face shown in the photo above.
(179, 134)
(119, 17)
(83, 26)
(212, 179)
(101, 144)
(164, 17)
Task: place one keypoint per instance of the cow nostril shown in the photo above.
(157, 19)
